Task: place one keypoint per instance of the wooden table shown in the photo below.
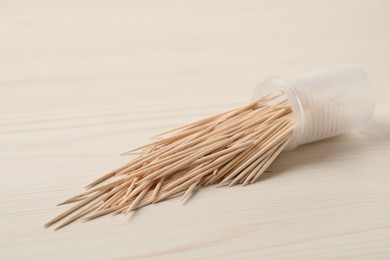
(83, 81)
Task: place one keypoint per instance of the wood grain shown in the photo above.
(83, 81)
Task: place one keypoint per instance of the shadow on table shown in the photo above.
(346, 147)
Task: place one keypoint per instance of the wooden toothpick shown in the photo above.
(233, 147)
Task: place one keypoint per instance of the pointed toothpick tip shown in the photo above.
(46, 225)
(71, 200)
(61, 226)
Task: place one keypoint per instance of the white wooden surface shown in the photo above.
(82, 81)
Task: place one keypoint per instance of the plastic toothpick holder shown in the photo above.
(324, 103)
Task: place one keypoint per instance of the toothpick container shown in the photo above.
(324, 103)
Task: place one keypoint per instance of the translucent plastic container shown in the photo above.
(324, 103)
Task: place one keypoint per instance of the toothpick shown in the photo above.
(232, 147)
